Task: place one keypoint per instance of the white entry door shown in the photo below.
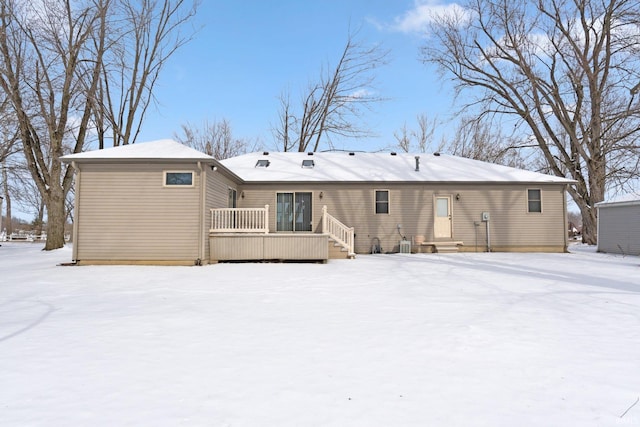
(442, 226)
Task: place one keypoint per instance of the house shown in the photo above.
(619, 225)
(161, 202)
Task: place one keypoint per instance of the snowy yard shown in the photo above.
(384, 340)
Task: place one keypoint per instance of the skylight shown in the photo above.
(262, 163)
(308, 163)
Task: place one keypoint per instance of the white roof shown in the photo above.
(164, 149)
(622, 200)
(377, 167)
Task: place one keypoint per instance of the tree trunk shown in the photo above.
(56, 218)
(7, 199)
(589, 225)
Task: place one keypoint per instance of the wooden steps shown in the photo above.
(336, 251)
(448, 247)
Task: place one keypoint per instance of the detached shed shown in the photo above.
(619, 225)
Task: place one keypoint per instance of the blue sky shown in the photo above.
(248, 52)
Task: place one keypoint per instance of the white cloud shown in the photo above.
(417, 19)
(360, 93)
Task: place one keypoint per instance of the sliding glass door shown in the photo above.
(293, 212)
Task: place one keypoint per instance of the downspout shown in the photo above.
(566, 218)
(203, 193)
(76, 213)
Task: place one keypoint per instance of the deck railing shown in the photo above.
(256, 220)
(342, 234)
(240, 220)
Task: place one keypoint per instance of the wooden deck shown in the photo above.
(242, 234)
(268, 247)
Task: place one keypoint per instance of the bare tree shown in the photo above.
(9, 137)
(50, 59)
(143, 35)
(215, 139)
(561, 71)
(334, 104)
(419, 139)
(403, 136)
(481, 140)
(9, 147)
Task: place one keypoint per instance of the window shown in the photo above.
(382, 201)
(178, 179)
(293, 212)
(233, 198)
(534, 200)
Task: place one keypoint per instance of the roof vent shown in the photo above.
(436, 154)
(417, 163)
(265, 153)
(308, 163)
(352, 153)
(263, 163)
(310, 153)
(393, 153)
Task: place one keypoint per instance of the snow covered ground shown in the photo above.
(384, 340)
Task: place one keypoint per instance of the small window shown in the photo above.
(178, 179)
(534, 200)
(233, 198)
(262, 163)
(382, 201)
(308, 163)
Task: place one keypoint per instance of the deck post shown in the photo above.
(324, 219)
(266, 219)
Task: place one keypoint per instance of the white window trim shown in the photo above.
(375, 203)
(164, 179)
(275, 211)
(541, 206)
(229, 190)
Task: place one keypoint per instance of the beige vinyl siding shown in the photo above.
(512, 227)
(217, 193)
(126, 214)
(619, 229)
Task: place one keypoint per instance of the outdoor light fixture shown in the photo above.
(242, 194)
(321, 194)
(458, 196)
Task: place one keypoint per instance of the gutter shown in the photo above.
(203, 193)
(76, 213)
(566, 218)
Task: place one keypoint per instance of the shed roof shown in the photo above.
(164, 149)
(376, 167)
(621, 200)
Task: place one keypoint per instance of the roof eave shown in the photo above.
(310, 182)
(70, 159)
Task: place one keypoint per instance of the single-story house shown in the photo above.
(619, 225)
(164, 203)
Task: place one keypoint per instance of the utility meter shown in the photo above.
(486, 216)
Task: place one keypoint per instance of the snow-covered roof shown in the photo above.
(376, 167)
(622, 200)
(164, 149)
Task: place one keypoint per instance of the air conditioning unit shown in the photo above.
(405, 247)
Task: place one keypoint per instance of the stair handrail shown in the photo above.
(339, 232)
